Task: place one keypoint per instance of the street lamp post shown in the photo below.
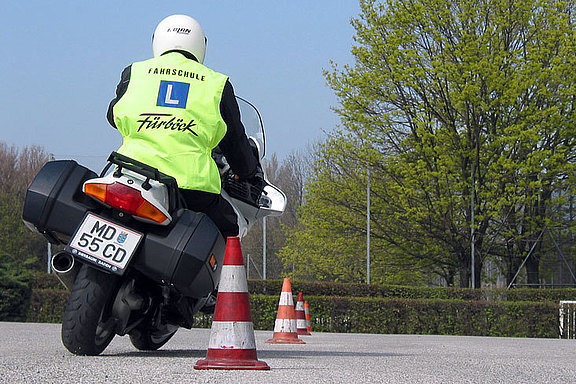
(264, 248)
(368, 229)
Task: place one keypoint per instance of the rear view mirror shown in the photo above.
(275, 201)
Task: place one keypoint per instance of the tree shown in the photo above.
(463, 112)
(290, 176)
(329, 242)
(17, 169)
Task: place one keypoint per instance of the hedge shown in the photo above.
(377, 315)
(341, 307)
(14, 301)
(271, 287)
(15, 290)
(419, 316)
(274, 287)
(47, 305)
(47, 281)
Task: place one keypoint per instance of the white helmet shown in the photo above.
(179, 32)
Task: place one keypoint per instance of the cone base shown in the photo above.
(285, 341)
(231, 359)
(285, 338)
(231, 364)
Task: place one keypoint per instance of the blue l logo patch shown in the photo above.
(173, 94)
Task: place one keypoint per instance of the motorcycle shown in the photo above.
(137, 262)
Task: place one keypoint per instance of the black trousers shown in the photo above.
(215, 207)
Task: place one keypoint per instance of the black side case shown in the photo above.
(55, 204)
(180, 255)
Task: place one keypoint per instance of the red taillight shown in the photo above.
(123, 197)
(126, 199)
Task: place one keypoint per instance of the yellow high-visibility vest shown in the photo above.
(170, 119)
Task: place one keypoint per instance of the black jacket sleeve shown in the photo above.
(235, 145)
(120, 91)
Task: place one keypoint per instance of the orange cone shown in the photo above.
(232, 344)
(301, 316)
(285, 326)
(307, 315)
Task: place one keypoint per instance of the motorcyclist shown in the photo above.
(172, 111)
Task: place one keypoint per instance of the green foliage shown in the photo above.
(533, 295)
(15, 291)
(376, 315)
(47, 305)
(316, 288)
(22, 251)
(50, 281)
(330, 241)
(418, 316)
(290, 177)
(342, 307)
(467, 128)
(17, 170)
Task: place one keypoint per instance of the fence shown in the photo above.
(567, 319)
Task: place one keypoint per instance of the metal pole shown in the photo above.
(472, 229)
(48, 257)
(368, 229)
(264, 248)
(48, 245)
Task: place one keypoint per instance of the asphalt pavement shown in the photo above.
(33, 353)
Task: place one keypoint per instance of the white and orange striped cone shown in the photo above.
(285, 326)
(301, 316)
(232, 344)
(307, 315)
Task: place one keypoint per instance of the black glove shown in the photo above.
(257, 180)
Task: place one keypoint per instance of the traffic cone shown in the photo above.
(307, 315)
(285, 326)
(232, 344)
(301, 316)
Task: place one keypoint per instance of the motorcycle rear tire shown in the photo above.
(146, 339)
(86, 326)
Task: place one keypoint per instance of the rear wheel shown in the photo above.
(87, 327)
(145, 338)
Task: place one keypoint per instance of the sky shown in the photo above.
(61, 61)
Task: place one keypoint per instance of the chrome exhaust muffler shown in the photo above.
(66, 268)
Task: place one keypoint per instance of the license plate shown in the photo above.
(104, 243)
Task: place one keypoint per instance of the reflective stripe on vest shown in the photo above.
(170, 119)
